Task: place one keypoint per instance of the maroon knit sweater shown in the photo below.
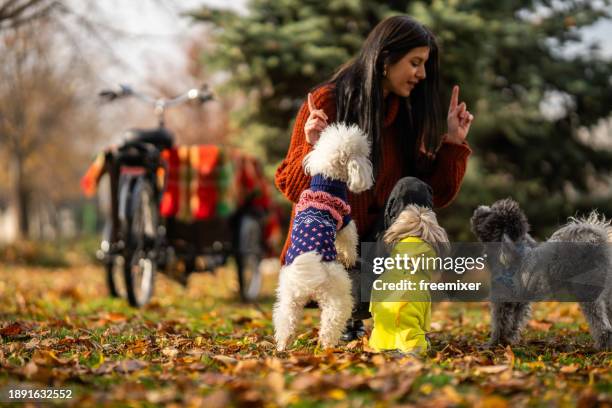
(445, 179)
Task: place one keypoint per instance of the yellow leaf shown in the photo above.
(492, 402)
(536, 364)
(337, 394)
(426, 389)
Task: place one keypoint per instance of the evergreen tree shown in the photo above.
(508, 56)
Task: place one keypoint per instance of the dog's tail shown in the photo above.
(306, 272)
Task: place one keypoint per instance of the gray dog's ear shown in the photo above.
(481, 212)
(478, 219)
(509, 252)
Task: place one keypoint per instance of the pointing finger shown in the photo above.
(311, 104)
(454, 98)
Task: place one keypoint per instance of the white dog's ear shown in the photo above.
(359, 174)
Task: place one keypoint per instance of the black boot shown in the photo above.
(354, 330)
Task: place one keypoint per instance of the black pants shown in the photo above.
(408, 190)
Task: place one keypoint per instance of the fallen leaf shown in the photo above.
(569, 369)
(48, 358)
(29, 369)
(160, 396)
(403, 387)
(494, 369)
(337, 394)
(353, 344)
(276, 381)
(379, 360)
(170, 352)
(266, 344)
(13, 329)
(115, 317)
(129, 366)
(509, 356)
(492, 402)
(217, 399)
(105, 368)
(539, 325)
(244, 366)
(228, 361)
(33, 343)
(305, 381)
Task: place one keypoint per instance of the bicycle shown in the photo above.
(138, 241)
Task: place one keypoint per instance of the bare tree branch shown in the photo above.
(14, 13)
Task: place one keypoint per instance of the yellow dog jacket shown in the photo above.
(400, 324)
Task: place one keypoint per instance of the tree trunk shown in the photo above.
(20, 197)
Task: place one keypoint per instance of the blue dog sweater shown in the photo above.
(321, 211)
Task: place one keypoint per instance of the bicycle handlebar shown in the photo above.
(202, 95)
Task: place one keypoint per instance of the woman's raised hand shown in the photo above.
(316, 122)
(459, 119)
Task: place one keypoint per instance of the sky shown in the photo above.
(145, 38)
(152, 36)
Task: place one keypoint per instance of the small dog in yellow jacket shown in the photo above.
(401, 324)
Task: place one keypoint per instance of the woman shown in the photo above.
(391, 91)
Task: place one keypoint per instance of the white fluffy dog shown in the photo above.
(324, 238)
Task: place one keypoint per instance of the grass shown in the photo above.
(199, 346)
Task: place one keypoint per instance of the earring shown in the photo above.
(385, 71)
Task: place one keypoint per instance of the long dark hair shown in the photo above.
(359, 92)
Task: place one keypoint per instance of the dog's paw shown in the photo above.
(604, 342)
(283, 342)
(281, 345)
(328, 345)
(497, 342)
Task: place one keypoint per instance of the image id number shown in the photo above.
(39, 394)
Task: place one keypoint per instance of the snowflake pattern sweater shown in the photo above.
(320, 212)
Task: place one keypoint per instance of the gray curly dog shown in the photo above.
(575, 260)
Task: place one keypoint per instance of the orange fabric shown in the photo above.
(445, 180)
(89, 182)
(170, 199)
(205, 159)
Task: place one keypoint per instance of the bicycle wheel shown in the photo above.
(248, 257)
(140, 268)
(114, 276)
